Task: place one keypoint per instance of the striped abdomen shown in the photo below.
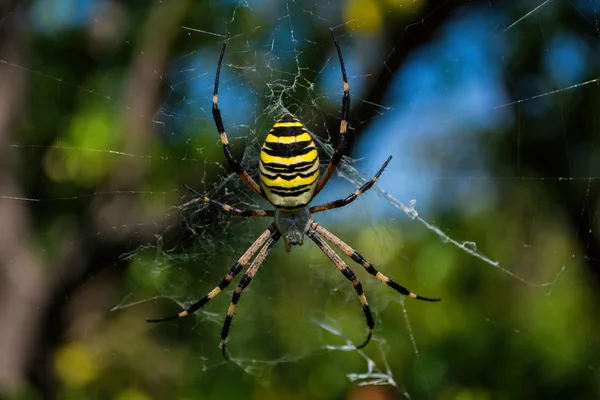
(289, 164)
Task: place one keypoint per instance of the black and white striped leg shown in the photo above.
(244, 282)
(343, 202)
(342, 141)
(237, 267)
(350, 252)
(347, 272)
(230, 209)
(235, 165)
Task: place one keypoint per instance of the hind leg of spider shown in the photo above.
(237, 267)
(350, 252)
(230, 209)
(347, 272)
(344, 202)
(235, 165)
(244, 282)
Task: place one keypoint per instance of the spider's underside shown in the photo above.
(293, 225)
(289, 172)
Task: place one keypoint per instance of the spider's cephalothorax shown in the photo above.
(289, 171)
(289, 164)
(292, 225)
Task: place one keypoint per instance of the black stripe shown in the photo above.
(337, 156)
(365, 307)
(287, 177)
(281, 131)
(300, 188)
(361, 260)
(348, 274)
(224, 283)
(369, 318)
(298, 167)
(237, 168)
(216, 112)
(359, 290)
(225, 329)
(245, 281)
(236, 296)
(276, 236)
(397, 287)
(236, 269)
(338, 204)
(288, 149)
(357, 257)
(290, 194)
(370, 269)
(199, 304)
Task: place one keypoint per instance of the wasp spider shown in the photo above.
(289, 171)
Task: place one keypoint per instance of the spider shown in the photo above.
(288, 172)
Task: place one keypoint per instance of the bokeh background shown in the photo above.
(489, 108)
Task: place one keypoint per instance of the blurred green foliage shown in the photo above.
(108, 170)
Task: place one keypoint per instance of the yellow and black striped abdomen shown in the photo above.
(289, 164)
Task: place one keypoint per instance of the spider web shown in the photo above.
(490, 201)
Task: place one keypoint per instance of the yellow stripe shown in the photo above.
(305, 137)
(298, 181)
(308, 157)
(287, 124)
(363, 300)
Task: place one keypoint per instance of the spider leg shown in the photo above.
(244, 282)
(350, 252)
(235, 165)
(342, 143)
(347, 272)
(343, 202)
(230, 209)
(237, 267)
